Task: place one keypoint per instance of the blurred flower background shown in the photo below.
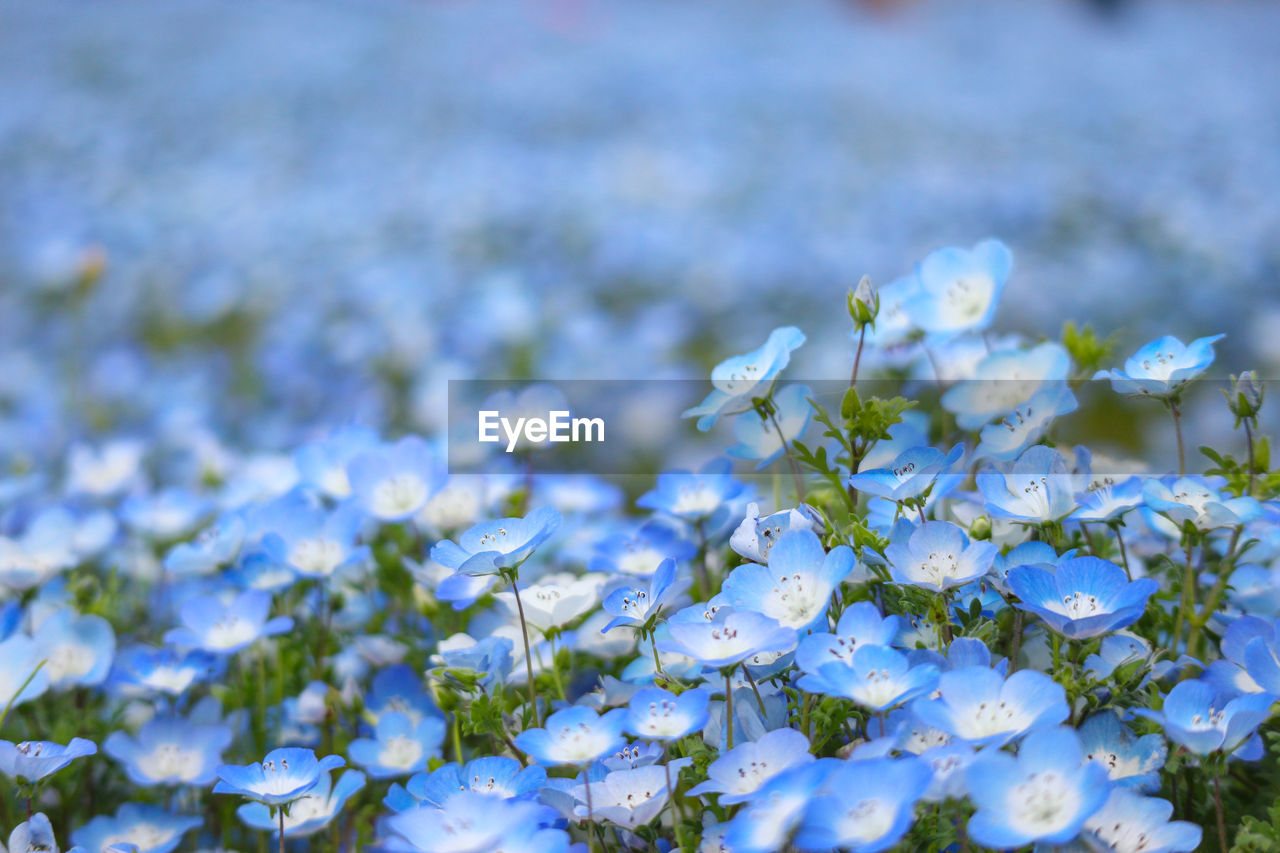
(266, 219)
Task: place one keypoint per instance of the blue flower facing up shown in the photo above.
(34, 835)
(640, 552)
(1045, 794)
(1108, 500)
(758, 437)
(575, 735)
(1198, 718)
(736, 380)
(768, 820)
(877, 678)
(20, 657)
(755, 537)
(738, 773)
(861, 624)
(309, 813)
(399, 746)
(150, 828)
(959, 289)
(1036, 488)
(1129, 821)
(490, 547)
(1129, 760)
(77, 648)
(143, 670)
(216, 546)
(938, 556)
(1005, 380)
(474, 823)
(694, 497)
(393, 482)
(33, 760)
(1162, 367)
(638, 605)
(1026, 424)
(980, 706)
(657, 714)
(795, 587)
(1084, 597)
(867, 805)
(727, 639)
(498, 776)
(283, 776)
(1195, 500)
(908, 475)
(170, 751)
(224, 628)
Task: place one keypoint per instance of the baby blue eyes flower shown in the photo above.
(758, 437)
(860, 625)
(877, 678)
(694, 497)
(1026, 423)
(738, 773)
(475, 823)
(77, 648)
(1083, 598)
(1200, 719)
(868, 806)
(908, 475)
(1162, 367)
(1129, 760)
(33, 760)
(311, 812)
(211, 625)
(795, 587)
(216, 546)
(638, 605)
(1108, 500)
(981, 707)
(1035, 489)
(1005, 380)
(726, 639)
(1131, 823)
(322, 465)
(19, 658)
(283, 776)
(575, 735)
(140, 670)
(496, 776)
(169, 751)
(628, 798)
(393, 482)
(938, 556)
(755, 536)
(960, 288)
(399, 747)
(1193, 499)
(1045, 794)
(34, 835)
(150, 828)
(656, 714)
(737, 380)
(641, 552)
(490, 547)
(767, 821)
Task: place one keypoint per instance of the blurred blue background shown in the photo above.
(270, 218)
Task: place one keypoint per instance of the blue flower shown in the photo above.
(1108, 500)
(1197, 717)
(1253, 642)
(497, 776)
(1130, 821)
(868, 805)
(656, 714)
(78, 648)
(393, 482)
(1027, 554)
(640, 552)
(574, 735)
(738, 379)
(694, 497)
(738, 773)
(309, 813)
(34, 835)
(19, 658)
(628, 798)
(1045, 794)
(398, 689)
(877, 678)
(492, 546)
(767, 821)
(860, 625)
(637, 605)
(938, 556)
(283, 776)
(754, 538)
(487, 661)
(215, 547)
(1036, 488)
(151, 828)
(476, 822)
(322, 465)
(170, 751)
(399, 747)
(960, 288)
(1085, 597)
(1026, 423)
(1129, 760)
(142, 670)
(908, 475)
(224, 628)
(728, 638)
(795, 587)
(1004, 380)
(758, 438)
(310, 541)
(1162, 367)
(35, 759)
(1194, 499)
(981, 707)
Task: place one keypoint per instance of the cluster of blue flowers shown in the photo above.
(953, 633)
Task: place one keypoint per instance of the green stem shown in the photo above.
(1217, 807)
(786, 449)
(528, 658)
(1188, 605)
(1177, 429)
(1124, 554)
(728, 708)
(1248, 435)
(857, 357)
(8, 705)
(280, 811)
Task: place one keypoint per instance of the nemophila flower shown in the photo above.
(399, 746)
(1036, 488)
(312, 541)
(1193, 499)
(223, 628)
(283, 776)
(322, 465)
(77, 649)
(1045, 794)
(908, 475)
(398, 688)
(555, 600)
(657, 714)
(170, 751)
(737, 380)
(754, 538)
(213, 547)
(1162, 367)
(1131, 823)
(981, 706)
(574, 735)
(795, 586)
(877, 678)
(1083, 598)
(165, 515)
(150, 828)
(641, 552)
(1198, 718)
(694, 497)
(1249, 650)
(959, 288)
(1109, 500)
(1004, 380)
(474, 823)
(948, 764)
(142, 670)
(740, 772)
(868, 805)
(627, 798)
(758, 436)
(861, 624)
(1129, 760)
(31, 560)
(767, 821)
(486, 662)
(938, 556)
(1039, 554)
(1027, 423)
(491, 546)
(726, 639)
(636, 605)
(497, 776)
(20, 660)
(33, 760)
(34, 835)
(309, 813)
(393, 481)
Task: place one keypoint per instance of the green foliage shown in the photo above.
(1087, 350)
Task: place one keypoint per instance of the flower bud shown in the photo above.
(980, 529)
(1245, 399)
(864, 304)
